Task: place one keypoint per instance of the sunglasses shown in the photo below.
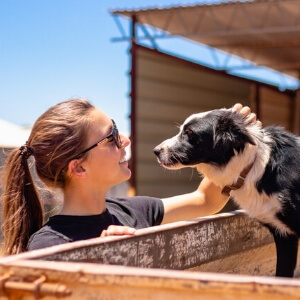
(114, 135)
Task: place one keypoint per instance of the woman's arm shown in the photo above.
(206, 200)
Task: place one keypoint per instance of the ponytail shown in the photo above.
(58, 135)
(22, 212)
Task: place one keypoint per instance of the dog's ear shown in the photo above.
(230, 134)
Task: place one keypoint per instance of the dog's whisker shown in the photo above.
(177, 125)
(192, 174)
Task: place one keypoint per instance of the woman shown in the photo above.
(77, 148)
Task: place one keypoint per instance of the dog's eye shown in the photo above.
(189, 135)
(188, 132)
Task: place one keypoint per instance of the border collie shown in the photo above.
(258, 167)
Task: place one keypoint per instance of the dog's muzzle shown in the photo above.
(165, 158)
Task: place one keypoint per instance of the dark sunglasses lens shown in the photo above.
(117, 137)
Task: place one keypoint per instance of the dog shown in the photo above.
(258, 167)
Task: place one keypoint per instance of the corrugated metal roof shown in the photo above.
(128, 12)
(266, 32)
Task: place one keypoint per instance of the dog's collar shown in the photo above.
(239, 183)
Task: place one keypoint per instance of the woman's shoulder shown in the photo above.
(46, 237)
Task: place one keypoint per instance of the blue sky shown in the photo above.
(52, 50)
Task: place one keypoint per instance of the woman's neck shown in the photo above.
(82, 202)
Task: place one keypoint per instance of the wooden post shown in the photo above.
(296, 125)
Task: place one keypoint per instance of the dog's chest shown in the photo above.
(261, 207)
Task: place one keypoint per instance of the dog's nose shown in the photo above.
(157, 150)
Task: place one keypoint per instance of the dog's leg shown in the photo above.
(287, 250)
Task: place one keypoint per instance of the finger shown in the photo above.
(251, 118)
(245, 111)
(259, 123)
(103, 233)
(120, 230)
(237, 107)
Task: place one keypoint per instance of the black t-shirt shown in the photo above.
(136, 212)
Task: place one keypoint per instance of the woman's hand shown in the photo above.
(246, 111)
(117, 230)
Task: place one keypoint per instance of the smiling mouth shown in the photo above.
(122, 161)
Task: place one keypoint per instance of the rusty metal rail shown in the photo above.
(37, 287)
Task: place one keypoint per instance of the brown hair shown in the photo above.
(57, 136)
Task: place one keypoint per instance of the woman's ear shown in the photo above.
(75, 168)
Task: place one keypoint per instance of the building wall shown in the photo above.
(168, 90)
(276, 108)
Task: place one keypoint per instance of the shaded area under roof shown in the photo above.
(265, 32)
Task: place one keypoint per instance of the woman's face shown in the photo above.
(105, 165)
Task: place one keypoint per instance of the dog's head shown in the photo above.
(212, 137)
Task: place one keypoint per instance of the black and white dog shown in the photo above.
(259, 168)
